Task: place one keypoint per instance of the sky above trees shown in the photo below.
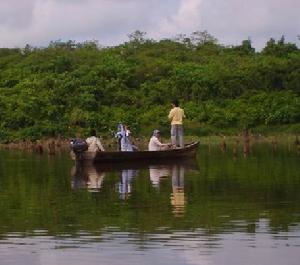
(37, 22)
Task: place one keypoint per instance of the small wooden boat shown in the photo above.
(117, 156)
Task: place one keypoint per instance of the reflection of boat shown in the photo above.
(188, 151)
(141, 164)
(90, 176)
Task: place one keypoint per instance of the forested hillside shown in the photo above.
(71, 87)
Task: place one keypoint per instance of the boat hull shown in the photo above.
(188, 151)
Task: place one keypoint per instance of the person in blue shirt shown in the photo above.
(123, 136)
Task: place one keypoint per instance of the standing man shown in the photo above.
(176, 116)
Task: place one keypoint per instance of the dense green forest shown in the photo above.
(68, 87)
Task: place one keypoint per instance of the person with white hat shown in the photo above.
(155, 143)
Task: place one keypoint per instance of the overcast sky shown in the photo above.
(37, 22)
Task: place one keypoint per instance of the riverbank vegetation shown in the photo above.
(67, 88)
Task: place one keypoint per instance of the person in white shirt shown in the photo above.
(94, 143)
(155, 144)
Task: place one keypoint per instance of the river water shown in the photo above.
(219, 209)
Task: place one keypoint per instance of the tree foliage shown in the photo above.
(69, 87)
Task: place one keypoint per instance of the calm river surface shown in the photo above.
(218, 210)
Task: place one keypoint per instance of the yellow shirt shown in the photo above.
(176, 115)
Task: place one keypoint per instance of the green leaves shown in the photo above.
(69, 87)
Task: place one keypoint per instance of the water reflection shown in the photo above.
(177, 197)
(91, 177)
(251, 206)
(176, 171)
(124, 186)
(157, 172)
(87, 176)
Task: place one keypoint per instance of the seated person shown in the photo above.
(155, 144)
(94, 142)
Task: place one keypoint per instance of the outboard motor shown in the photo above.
(78, 146)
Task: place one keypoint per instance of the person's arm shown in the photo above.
(99, 144)
(157, 142)
(118, 135)
(171, 114)
(183, 114)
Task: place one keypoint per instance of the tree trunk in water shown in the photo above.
(246, 142)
